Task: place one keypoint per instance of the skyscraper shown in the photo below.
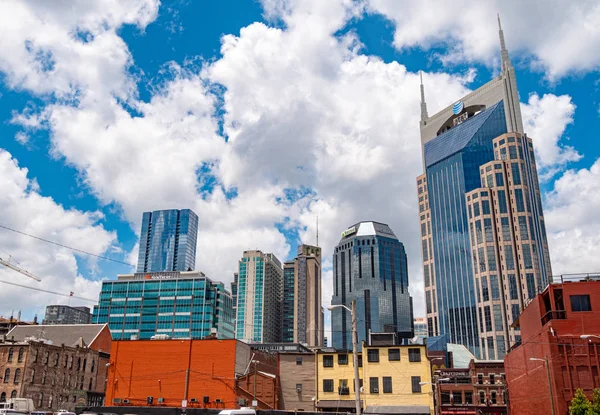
(168, 241)
(259, 298)
(456, 142)
(511, 262)
(370, 266)
(302, 297)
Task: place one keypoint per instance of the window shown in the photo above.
(481, 397)
(476, 211)
(468, 398)
(374, 385)
(11, 351)
(519, 200)
(492, 378)
(478, 232)
(35, 355)
(327, 385)
(360, 360)
(512, 286)
(43, 378)
(17, 376)
(6, 375)
(580, 303)
(485, 207)
(13, 394)
(373, 355)
(32, 376)
(342, 359)
(416, 383)
(41, 399)
(360, 384)
(516, 173)
(94, 364)
(3, 397)
(509, 258)
(20, 357)
(394, 354)
(387, 384)
(298, 363)
(499, 179)
(489, 234)
(79, 363)
(494, 401)
(414, 355)
(480, 378)
(505, 229)
(484, 288)
(529, 277)
(502, 201)
(46, 357)
(487, 318)
(457, 398)
(494, 286)
(328, 361)
(498, 320)
(445, 398)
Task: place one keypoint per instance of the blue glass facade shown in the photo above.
(288, 302)
(168, 241)
(180, 306)
(452, 168)
(370, 266)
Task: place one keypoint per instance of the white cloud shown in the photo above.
(559, 35)
(573, 222)
(545, 119)
(22, 207)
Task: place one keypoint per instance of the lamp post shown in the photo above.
(435, 407)
(254, 401)
(354, 351)
(589, 336)
(545, 360)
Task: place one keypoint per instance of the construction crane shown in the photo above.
(18, 269)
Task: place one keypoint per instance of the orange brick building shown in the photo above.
(551, 328)
(206, 373)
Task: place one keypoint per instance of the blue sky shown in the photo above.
(261, 116)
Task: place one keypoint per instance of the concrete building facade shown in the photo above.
(259, 309)
(553, 360)
(370, 266)
(64, 314)
(302, 294)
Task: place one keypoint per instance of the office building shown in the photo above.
(370, 266)
(420, 326)
(259, 315)
(559, 351)
(168, 241)
(167, 304)
(456, 142)
(511, 262)
(396, 379)
(64, 314)
(302, 310)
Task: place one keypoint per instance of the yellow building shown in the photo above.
(390, 377)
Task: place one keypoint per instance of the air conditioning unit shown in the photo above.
(161, 400)
(242, 402)
(116, 400)
(125, 401)
(375, 390)
(217, 401)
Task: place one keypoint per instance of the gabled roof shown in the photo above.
(72, 335)
(457, 138)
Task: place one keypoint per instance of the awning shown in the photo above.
(408, 409)
(345, 404)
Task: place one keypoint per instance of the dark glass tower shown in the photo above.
(168, 241)
(370, 266)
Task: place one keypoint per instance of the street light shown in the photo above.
(545, 360)
(354, 351)
(587, 336)
(254, 401)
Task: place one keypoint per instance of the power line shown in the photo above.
(65, 246)
(47, 291)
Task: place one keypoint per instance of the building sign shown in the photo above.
(460, 119)
(384, 229)
(454, 374)
(457, 108)
(349, 231)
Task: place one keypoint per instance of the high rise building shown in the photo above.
(511, 262)
(168, 241)
(302, 310)
(370, 266)
(259, 314)
(64, 314)
(185, 305)
(456, 142)
(420, 324)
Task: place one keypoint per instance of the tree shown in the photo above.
(595, 406)
(580, 405)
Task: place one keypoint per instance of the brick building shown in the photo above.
(212, 373)
(478, 389)
(55, 371)
(551, 328)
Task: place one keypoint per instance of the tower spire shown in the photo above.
(424, 115)
(317, 230)
(503, 51)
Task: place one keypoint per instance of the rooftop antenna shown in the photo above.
(503, 50)
(424, 115)
(317, 230)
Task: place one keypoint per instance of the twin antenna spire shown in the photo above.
(503, 56)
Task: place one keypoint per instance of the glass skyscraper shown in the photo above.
(185, 305)
(370, 266)
(168, 241)
(456, 143)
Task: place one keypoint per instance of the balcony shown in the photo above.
(554, 315)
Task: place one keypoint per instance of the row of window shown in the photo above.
(414, 355)
(386, 382)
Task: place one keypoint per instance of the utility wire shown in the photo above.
(64, 246)
(47, 291)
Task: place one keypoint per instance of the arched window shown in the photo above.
(32, 376)
(11, 351)
(6, 375)
(13, 394)
(79, 363)
(93, 365)
(17, 376)
(3, 397)
(35, 355)
(84, 364)
(46, 354)
(56, 359)
(40, 400)
(20, 357)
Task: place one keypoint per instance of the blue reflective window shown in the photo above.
(485, 207)
(516, 173)
(476, 211)
(505, 229)
(519, 200)
(531, 292)
(494, 287)
(502, 201)
(527, 260)
(512, 287)
(523, 228)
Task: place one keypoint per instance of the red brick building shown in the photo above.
(206, 373)
(480, 389)
(551, 328)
